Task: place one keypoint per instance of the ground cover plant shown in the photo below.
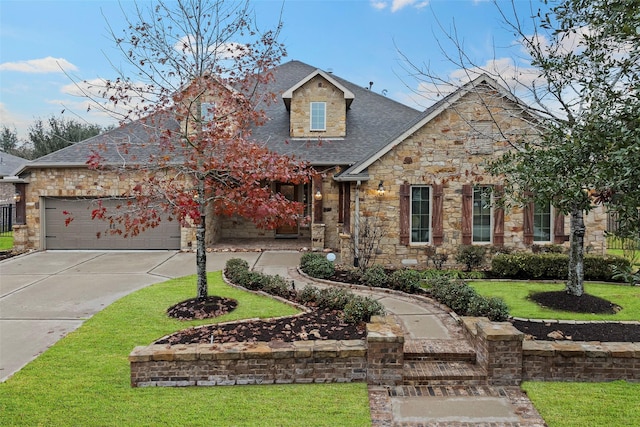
(564, 404)
(84, 378)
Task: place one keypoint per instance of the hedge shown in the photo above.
(553, 266)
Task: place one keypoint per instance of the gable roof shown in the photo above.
(359, 169)
(288, 94)
(371, 121)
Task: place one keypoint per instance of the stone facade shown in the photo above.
(71, 182)
(318, 89)
(449, 151)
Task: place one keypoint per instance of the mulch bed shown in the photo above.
(315, 325)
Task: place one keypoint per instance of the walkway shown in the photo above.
(45, 295)
(443, 386)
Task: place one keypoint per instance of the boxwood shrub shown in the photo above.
(360, 309)
(406, 281)
(553, 266)
(375, 276)
(316, 265)
(465, 301)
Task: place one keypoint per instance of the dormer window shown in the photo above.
(318, 116)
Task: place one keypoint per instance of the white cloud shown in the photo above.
(396, 5)
(43, 65)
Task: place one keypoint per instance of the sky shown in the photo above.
(45, 45)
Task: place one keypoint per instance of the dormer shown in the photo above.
(318, 107)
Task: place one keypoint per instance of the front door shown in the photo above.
(288, 191)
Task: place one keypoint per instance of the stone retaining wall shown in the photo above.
(274, 362)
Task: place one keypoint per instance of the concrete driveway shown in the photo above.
(46, 295)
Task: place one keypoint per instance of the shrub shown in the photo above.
(471, 256)
(277, 285)
(375, 276)
(493, 308)
(406, 281)
(553, 266)
(460, 294)
(360, 309)
(334, 298)
(317, 266)
(307, 258)
(234, 268)
(308, 294)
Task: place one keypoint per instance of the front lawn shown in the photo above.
(84, 378)
(564, 404)
(6, 242)
(515, 294)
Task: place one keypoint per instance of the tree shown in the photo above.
(9, 143)
(583, 83)
(200, 68)
(56, 133)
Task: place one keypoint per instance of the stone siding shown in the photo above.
(318, 89)
(71, 182)
(448, 150)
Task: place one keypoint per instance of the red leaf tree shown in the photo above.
(199, 71)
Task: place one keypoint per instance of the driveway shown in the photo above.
(46, 295)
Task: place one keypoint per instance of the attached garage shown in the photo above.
(82, 232)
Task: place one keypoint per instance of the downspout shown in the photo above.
(356, 227)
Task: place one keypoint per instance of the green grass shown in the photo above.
(586, 404)
(516, 294)
(6, 242)
(84, 378)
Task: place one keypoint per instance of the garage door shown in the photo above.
(82, 232)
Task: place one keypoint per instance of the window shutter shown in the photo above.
(317, 204)
(527, 224)
(498, 216)
(558, 229)
(436, 216)
(467, 213)
(405, 191)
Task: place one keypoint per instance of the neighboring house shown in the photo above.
(9, 165)
(419, 177)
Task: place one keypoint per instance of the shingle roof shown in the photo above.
(9, 164)
(372, 120)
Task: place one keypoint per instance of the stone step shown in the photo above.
(424, 373)
(439, 350)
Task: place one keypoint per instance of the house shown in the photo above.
(9, 164)
(416, 178)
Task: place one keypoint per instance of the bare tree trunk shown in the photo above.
(201, 250)
(575, 283)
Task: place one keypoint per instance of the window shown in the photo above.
(318, 116)
(481, 215)
(420, 214)
(542, 222)
(207, 112)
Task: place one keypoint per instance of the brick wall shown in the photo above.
(580, 361)
(273, 362)
(508, 359)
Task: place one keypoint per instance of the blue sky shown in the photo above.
(358, 40)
